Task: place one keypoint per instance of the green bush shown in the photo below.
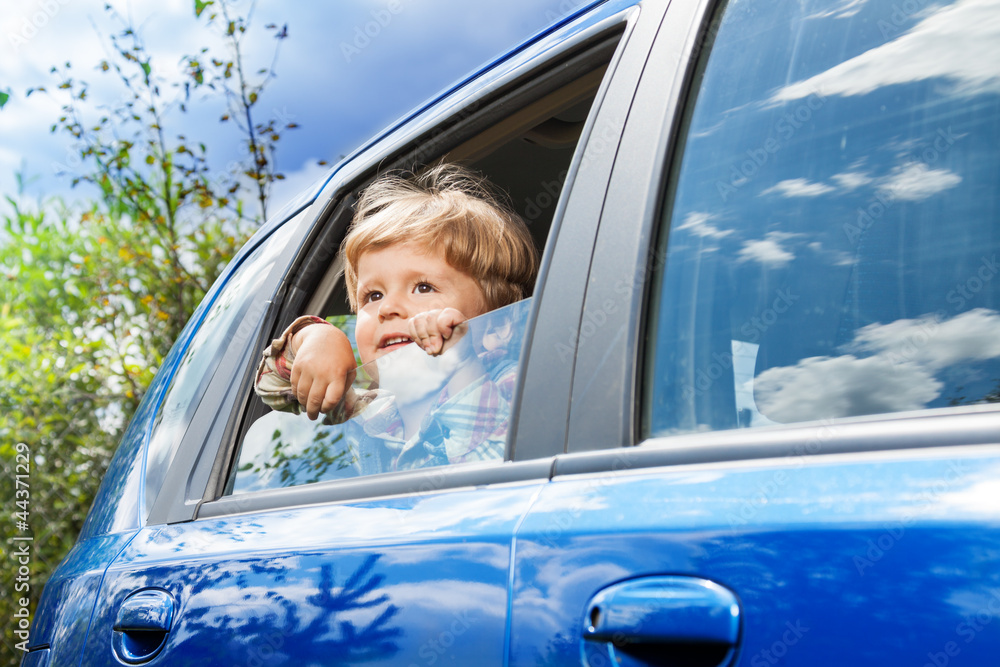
(93, 295)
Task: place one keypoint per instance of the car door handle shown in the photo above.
(142, 625)
(660, 620)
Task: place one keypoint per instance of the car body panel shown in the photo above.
(356, 582)
(894, 552)
(70, 594)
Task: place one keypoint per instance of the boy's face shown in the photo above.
(400, 281)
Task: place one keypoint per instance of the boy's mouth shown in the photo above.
(394, 342)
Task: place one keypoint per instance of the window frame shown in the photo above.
(604, 379)
(196, 479)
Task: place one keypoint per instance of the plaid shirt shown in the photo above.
(469, 426)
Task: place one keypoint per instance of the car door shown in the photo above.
(407, 567)
(782, 444)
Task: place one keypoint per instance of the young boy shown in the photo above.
(422, 256)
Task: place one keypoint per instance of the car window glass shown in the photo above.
(831, 238)
(407, 410)
(220, 330)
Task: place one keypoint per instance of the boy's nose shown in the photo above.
(391, 306)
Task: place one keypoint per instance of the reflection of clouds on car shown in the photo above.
(843, 10)
(935, 343)
(915, 181)
(697, 223)
(960, 43)
(852, 180)
(900, 374)
(910, 181)
(798, 187)
(768, 250)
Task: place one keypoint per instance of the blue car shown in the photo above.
(755, 408)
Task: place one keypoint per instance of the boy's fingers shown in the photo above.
(448, 320)
(424, 334)
(455, 337)
(418, 330)
(314, 402)
(302, 387)
(333, 396)
(335, 392)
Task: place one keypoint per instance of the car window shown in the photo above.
(406, 410)
(830, 240)
(220, 329)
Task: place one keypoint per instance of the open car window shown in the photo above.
(407, 410)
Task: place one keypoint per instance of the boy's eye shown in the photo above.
(371, 296)
(424, 288)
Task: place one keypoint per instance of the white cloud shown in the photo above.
(295, 183)
(697, 223)
(767, 251)
(834, 257)
(960, 43)
(798, 187)
(915, 181)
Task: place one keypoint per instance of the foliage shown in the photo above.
(242, 92)
(93, 297)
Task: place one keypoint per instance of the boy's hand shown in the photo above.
(323, 369)
(430, 330)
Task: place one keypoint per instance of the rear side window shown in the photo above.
(830, 241)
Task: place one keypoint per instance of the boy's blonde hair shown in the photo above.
(450, 208)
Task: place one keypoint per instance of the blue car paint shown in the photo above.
(116, 513)
(366, 581)
(69, 595)
(896, 551)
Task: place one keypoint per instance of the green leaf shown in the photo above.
(3, 98)
(200, 6)
(146, 68)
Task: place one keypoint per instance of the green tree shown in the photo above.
(93, 296)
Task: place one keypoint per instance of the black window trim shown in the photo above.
(547, 369)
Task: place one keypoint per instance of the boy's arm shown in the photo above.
(308, 366)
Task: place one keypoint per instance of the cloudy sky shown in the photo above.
(347, 69)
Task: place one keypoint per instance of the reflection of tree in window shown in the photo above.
(290, 464)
